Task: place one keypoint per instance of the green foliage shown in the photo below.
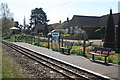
(118, 36)
(77, 52)
(34, 43)
(66, 35)
(55, 47)
(9, 70)
(38, 16)
(46, 30)
(6, 21)
(77, 48)
(101, 32)
(78, 33)
(5, 37)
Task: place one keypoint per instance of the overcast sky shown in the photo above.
(57, 10)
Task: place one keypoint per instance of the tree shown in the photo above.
(5, 11)
(46, 30)
(38, 16)
(118, 35)
(101, 32)
(6, 18)
(110, 33)
(78, 33)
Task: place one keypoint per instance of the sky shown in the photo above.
(57, 10)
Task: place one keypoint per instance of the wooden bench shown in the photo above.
(67, 46)
(105, 52)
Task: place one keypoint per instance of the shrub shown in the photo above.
(99, 58)
(74, 51)
(55, 47)
(111, 59)
(34, 43)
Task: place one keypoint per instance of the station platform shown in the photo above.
(110, 70)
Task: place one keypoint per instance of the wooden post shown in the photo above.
(51, 42)
(38, 40)
(84, 45)
(93, 58)
(62, 42)
(26, 39)
(31, 39)
(48, 42)
(105, 59)
(59, 42)
(15, 38)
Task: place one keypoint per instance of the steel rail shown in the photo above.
(43, 61)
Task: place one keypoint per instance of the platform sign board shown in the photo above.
(55, 34)
(55, 37)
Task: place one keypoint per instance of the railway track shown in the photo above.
(67, 70)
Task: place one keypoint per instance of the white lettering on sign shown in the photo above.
(55, 34)
(55, 38)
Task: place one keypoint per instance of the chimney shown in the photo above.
(60, 21)
(67, 19)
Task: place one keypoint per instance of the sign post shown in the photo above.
(55, 38)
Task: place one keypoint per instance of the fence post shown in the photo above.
(48, 42)
(62, 42)
(84, 43)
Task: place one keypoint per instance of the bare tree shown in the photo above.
(5, 11)
(6, 18)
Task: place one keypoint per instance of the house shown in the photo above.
(53, 26)
(104, 18)
(88, 23)
(39, 28)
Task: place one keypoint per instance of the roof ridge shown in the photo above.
(85, 16)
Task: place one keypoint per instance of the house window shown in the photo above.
(76, 27)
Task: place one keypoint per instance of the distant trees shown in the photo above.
(110, 33)
(6, 19)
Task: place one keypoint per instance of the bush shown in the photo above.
(6, 37)
(74, 51)
(34, 43)
(66, 35)
(99, 58)
(111, 59)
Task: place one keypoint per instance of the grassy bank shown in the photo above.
(9, 68)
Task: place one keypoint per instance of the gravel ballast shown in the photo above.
(30, 67)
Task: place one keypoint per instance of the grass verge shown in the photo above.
(9, 68)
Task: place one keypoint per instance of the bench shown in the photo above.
(105, 52)
(67, 46)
